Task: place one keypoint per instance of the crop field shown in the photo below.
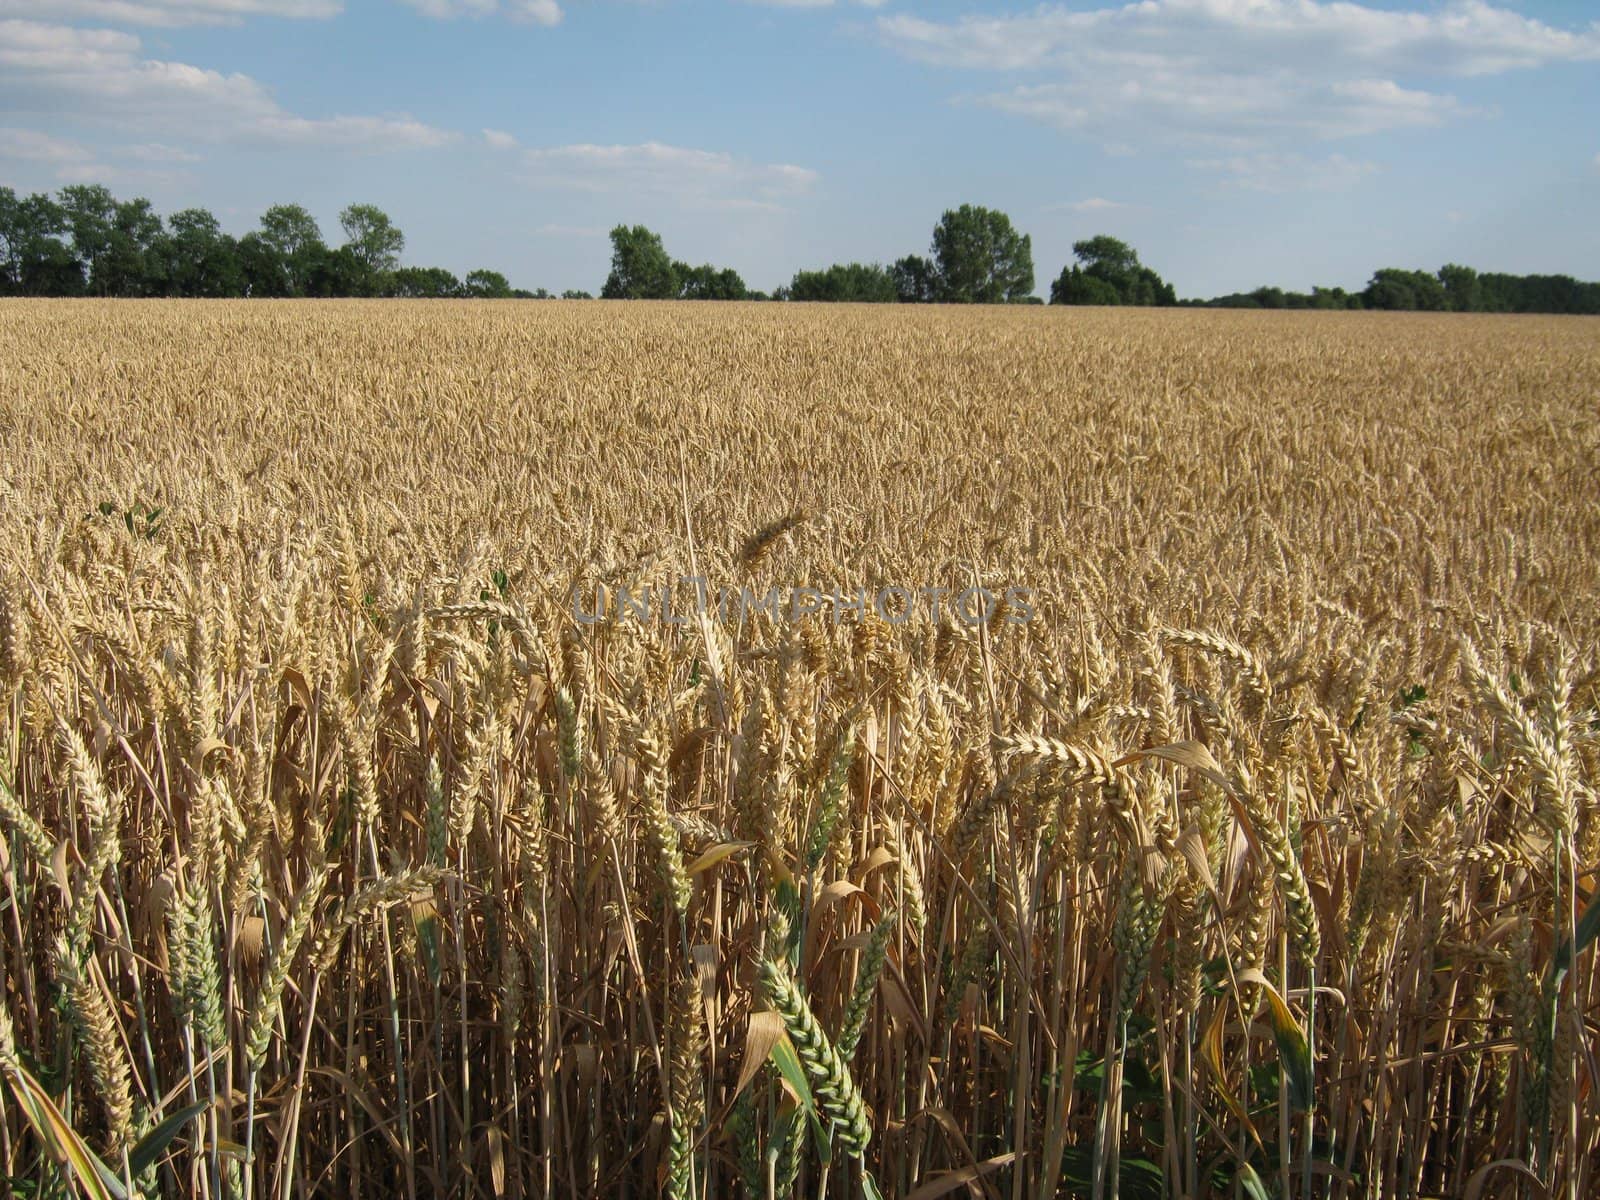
(1119, 753)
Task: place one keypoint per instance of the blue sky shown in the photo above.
(1233, 142)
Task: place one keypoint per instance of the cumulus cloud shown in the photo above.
(1236, 70)
(168, 13)
(499, 139)
(696, 178)
(102, 75)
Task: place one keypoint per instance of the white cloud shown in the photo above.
(168, 13)
(1466, 38)
(1288, 172)
(539, 12)
(38, 147)
(695, 178)
(1239, 71)
(72, 162)
(100, 74)
(499, 139)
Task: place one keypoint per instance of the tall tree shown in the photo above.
(1461, 288)
(134, 263)
(201, 259)
(981, 258)
(289, 233)
(916, 280)
(641, 269)
(36, 262)
(90, 213)
(372, 238)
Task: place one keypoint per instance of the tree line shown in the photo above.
(85, 242)
(1453, 288)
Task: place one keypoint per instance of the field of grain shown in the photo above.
(1248, 851)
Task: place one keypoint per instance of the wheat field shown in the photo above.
(362, 837)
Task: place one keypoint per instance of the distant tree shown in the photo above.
(487, 285)
(134, 263)
(1076, 286)
(857, 283)
(201, 260)
(574, 294)
(338, 272)
(36, 262)
(640, 267)
(373, 242)
(1113, 263)
(90, 212)
(706, 282)
(423, 283)
(1462, 291)
(263, 272)
(290, 233)
(916, 280)
(980, 257)
(1107, 258)
(1393, 288)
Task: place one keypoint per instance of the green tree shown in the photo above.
(1115, 264)
(90, 212)
(1461, 288)
(201, 259)
(916, 280)
(423, 283)
(339, 272)
(706, 282)
(856, 283)
(289, 233)
(1394, 288)
(373, 240)
(981, 258)
(134, 262)
(640, 267)
(263, 273)
(34, 261)
(1107, 258)
(1076, 286)
(487, 285)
